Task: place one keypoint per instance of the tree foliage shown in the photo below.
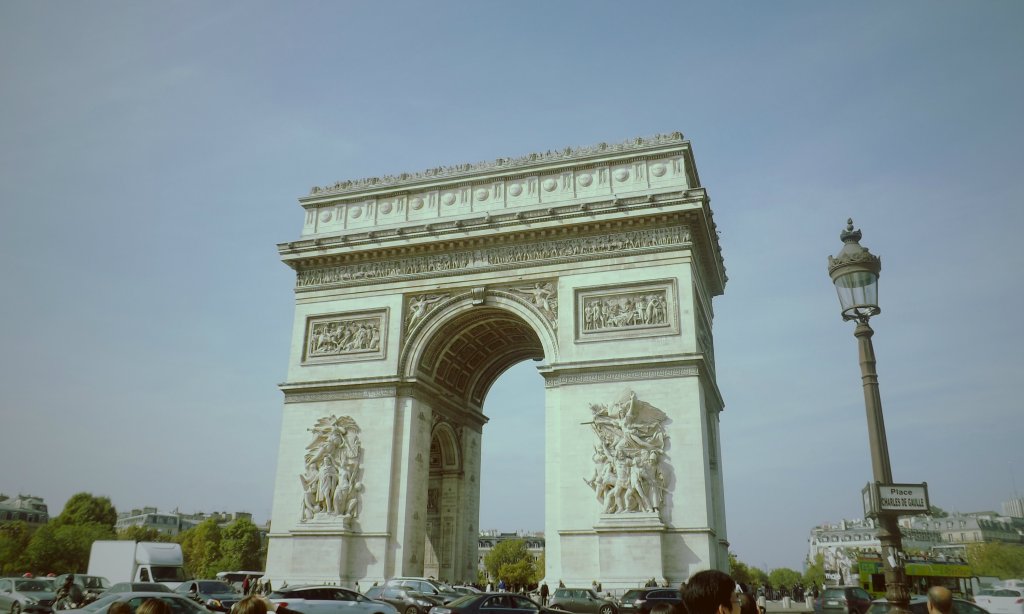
(814, 575)
(512, 562)
(64, 548)
(240, 546)
(996, 559)
(14, 540)
(208, 549)
(143, 534)
(783, 576)
(938, 512)
(746, 574)
(84, 508)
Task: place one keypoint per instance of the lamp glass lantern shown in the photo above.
(854, 271)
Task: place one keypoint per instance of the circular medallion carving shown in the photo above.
(385, 208)
(549, 185)
(355, 213)
(448, 199)
(658, 170)
(621, 175)
(585, 179)
(515, 189)
(325, 216)
(481, 194)
(416, 203)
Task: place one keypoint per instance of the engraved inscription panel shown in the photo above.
(345, 337)
(638, 310)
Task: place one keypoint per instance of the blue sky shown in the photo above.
(151, 155)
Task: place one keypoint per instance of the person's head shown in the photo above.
(663, 607)
(940, 600)
(711, 592)
(69, 579)
(154, 606)
(253, 604)
(119, 607)
(749, 603)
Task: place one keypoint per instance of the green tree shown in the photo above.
(84, 508)
(143, 534)
(541, 566)
(938, 512)
(200, 546)
(739, 570)
(758, 577)
(996, 559)
(815, 573)
(14, 540)
(508, 554)
(783, 576)
(240, 546)
(64, 548)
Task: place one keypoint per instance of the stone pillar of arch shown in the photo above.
(415, 292)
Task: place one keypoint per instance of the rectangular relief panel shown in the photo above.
(646, 309)
(344, 337)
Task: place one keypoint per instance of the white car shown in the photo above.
(1001, 600)
(328, 600)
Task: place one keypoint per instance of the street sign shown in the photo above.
(896, 499)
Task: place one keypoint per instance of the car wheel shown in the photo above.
(15, 608)
(412, 610)
(607, 609)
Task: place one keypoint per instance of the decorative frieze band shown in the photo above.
(340, 395)
(454, 263)
(619, 376)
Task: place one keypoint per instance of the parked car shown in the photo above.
(491, 603)
(467, 590)
(427, 587)
(641, 600)
(179, 604)
(32, 595)
(135, 587)
(328, 600)
(91, 586)
(919, 605)
(406, 601)
(1001, 600)
(844, 600)
(214, 594)
(581, 601)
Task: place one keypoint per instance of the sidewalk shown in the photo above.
(795, 607)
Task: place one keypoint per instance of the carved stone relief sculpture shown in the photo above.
(627, 476)
(638, 310)
(544, 296)
(345, 337)
(419, 307)
(332, 482)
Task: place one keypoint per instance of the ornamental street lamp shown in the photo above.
(854, 271)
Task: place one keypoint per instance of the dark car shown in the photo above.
(405, 600)
(214, 594)
(641, 600)
(491, 603)
(581, 601)
(919, 605)
(844, 600)
(178, 603)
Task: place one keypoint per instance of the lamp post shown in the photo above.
(854, 271)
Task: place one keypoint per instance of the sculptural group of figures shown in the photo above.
(346, 336)
(627, 474)
(616, 312)
(331, 482)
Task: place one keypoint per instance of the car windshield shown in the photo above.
(834, 593)
(631, 595)
(95, 582)
(101, 602)
(30, 586)
(215, 587)
(179, 605)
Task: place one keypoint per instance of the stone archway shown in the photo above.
(415, 292)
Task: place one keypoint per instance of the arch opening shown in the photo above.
(461, 357)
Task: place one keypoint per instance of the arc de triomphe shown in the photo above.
(415, 292)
